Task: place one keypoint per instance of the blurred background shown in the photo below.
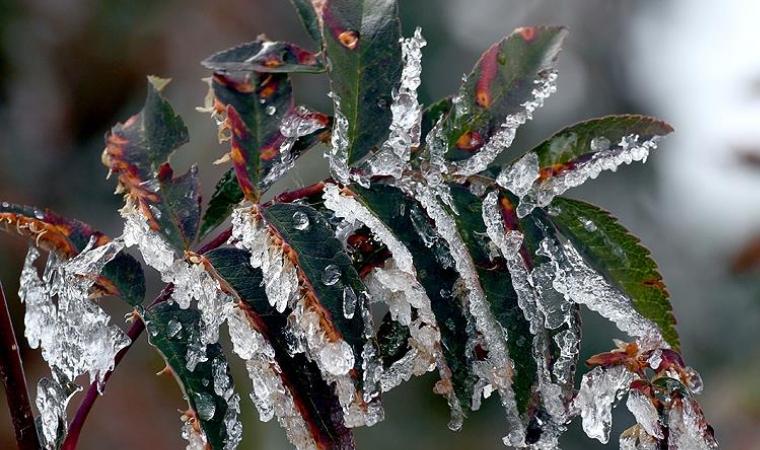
(70, 69)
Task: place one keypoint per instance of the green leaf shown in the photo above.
(619, 256)
(137, 148)
(174, 208)
(362, 44)
(122, 277)
(407, 220)
(499, 84)
(265, 56)
(316, 248)
(226, 195)
(573, 145)
(172, 331)
(392, 340)
(497, 285)
(309, 16)
(314, 398)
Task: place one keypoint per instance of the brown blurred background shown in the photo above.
(69, 69)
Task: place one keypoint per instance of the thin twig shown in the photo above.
(14, 381)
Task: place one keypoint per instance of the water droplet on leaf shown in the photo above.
(300, 220)
(331, 275)
(270, 110)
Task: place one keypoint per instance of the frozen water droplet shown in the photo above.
(655, 359)
(173, 328)
(349, 39)
(331, 275)
(553, 210)
(39, 214)
(270, 110)
(205, 405)
(300, 220)
(600, 144)
(694, 380)
(337, 358)
(6, 205)
(588, 224)
(349, 302)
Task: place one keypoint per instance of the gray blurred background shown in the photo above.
(70, 69)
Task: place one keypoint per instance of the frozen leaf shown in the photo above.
(619, 256)
(286, 384)
(216, 412)
(640, 404)
(122, 276)
(364, 64)
(583, 151)
(687, 426)
(264, 56)
(507, 84)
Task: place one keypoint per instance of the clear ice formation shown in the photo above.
(640, 405)
(541, 192)
(337, 155)
(545, 85)
(395, 153)
(600, 389)
(295, 124)
(687, 427)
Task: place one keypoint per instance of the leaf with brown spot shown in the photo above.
(265, 56)
(122, 277)
(501, 81)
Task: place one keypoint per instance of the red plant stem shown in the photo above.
(75, 427)
(14, 381)
(289, 196)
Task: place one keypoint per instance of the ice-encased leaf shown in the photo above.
(580, 152)
(364, 64)
(264, 56)
(600, 390)
(687, 427)
(313, 401)
(122, 276)
(408, 222)
(320, 309)
(226, 195)
(216, 412)
(619, 256)
(509, 81)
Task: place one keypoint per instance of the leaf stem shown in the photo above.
(289, 196)
(14, 381)
(218, 241)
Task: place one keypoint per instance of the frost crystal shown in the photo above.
(351, 210)
(406, 111)
(629, 149)
(582, 284)
(645, 413)
(280, 277)
(600, 389)
(297, 123)
(546, 84)
(338, 152)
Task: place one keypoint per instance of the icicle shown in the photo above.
(280, 276)
(600, 389)
(581, 284)
(393, 156)
(52, 399)
(338, 152)
(546, 84)
(223, 388)
(498, 372)
(350, 209)
(156, 252)
(542, 192)
(295, 124)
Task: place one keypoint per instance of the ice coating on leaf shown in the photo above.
(280, 276)
(337, 154)
(581, 284)
(337, 358)
(640, 405)
(435, 147)
(297, 123)
(196, 350)
(687, 427)
(75, 335)
(498, 366)
(192, 434)
(223, 388)
(545, 85)
(518, 178)
(350, 209)
(629, 149)
(269, 395)
(51, 402)
(406, 111)
(156, 252)
(599, 390)
(568, 342)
